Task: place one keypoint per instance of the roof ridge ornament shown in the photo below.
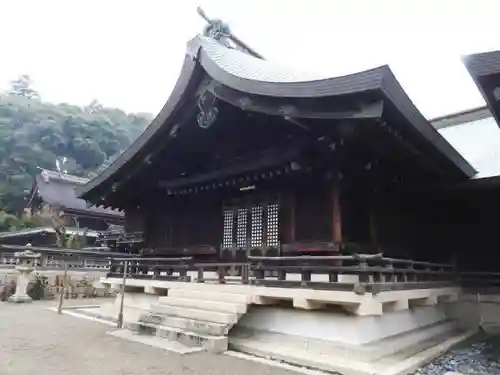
(220, 31)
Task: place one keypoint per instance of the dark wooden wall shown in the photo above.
(469, 229)
(135, 219)
(185, 222)
(313, 213)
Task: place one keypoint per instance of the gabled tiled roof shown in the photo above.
(250, 75)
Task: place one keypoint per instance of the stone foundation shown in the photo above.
(394, 342)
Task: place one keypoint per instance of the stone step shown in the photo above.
(197, 314)
(213, 344)
(201, 304)
(157, 342)
(211, 296)
(209, 328)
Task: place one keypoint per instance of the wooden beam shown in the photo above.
(248, 165)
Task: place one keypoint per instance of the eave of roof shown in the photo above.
(250, 75)
(462, 117)
(58, 189)
(480, 67)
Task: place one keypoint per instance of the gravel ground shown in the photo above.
(34, 340)
(478, 356)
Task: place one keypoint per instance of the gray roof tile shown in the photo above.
(246, 66)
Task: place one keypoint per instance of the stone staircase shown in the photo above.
(195, 319)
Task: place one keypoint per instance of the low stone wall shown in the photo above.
(81, 284)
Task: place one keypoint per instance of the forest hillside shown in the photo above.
(34, 133)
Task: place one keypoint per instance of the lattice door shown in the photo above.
(272, 228)
(227, 238)
(251, 227)
(241, 230)
(256, 239)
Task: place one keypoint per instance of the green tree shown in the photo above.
(33, 134)
(10, 222)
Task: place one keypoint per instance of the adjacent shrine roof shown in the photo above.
(58, 189)
(485, 71)
(251, 78)
(476, 136)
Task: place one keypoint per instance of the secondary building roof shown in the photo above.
(58, 189)
(485, 71)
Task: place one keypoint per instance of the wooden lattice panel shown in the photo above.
(272, 229)
(241, 229)
(257, 228)
(227, 239)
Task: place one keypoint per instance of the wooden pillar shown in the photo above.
(336, 214)
(287, 221)
(291, 202)
(373, 227)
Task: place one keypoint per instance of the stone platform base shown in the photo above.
(20, 299)
(331, 339)
(366, 304)
(402, 363)
(395, 343)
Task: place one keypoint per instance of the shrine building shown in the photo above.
(326, 216)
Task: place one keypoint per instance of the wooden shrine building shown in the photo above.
(54, 193)
(249, 158)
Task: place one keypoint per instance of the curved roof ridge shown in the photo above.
(247, 66)
(62, 176)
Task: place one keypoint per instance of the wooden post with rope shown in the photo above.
(63, 290)
(122, 295)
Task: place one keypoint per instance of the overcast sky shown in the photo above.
(129, 53)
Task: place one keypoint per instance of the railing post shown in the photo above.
(378, 276)
(363, 277)
(156, 270)
(258, 272)
(122, 296)
(201, 275)
(281, 275)
(305, 276)
(390, 276)
(183, 274)
(244, 274)
(221, 271)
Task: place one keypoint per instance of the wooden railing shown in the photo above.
(56, 258)
(360, 273)
(151, 268)
(363, 272)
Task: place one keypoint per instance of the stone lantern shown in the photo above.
(26, 262)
